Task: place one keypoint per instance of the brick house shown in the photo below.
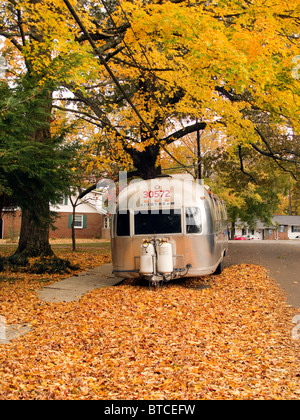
(10, 224)
(90, 220)
(282, 228)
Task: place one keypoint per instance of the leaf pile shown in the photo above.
(223, 337)
(41, 265)
(18, 297)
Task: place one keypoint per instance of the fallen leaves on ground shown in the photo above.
(18, 297)
(219, 337)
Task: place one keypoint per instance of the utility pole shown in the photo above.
(199, 163)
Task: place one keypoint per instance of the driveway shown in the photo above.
(280, 258)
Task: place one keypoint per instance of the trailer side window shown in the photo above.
(123, 226)
(193, 220)
(160, 222)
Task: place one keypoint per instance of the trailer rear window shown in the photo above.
(123, 226)
(157, 223)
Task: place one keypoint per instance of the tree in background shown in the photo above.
(35, 163)
(148, 73)
(251, 185)
(166, 65)
(33, 171)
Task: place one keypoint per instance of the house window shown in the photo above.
(63, 200)
(295, 229)
(106, 222)
(269, 232)
(79, 221)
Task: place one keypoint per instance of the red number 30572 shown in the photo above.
(157, 194)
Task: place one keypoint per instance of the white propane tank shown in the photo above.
(147, 258)
(164, 257)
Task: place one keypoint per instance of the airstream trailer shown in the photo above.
(168, 227)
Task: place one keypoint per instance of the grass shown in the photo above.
(65, 259)
(62, 246)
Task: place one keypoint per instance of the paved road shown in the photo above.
(280, 258)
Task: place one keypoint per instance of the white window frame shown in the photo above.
(79, 220)
(106, 224)
(295, 229)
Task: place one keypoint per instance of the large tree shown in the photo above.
(170, 68)
(146, 73)
(34, 161)
(34, 169)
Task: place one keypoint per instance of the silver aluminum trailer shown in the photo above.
(168, 227)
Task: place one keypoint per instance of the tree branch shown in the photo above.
(20, 24)
(104, 35)
(242, 165)
(135, 65)
(270, 152)
(12, 39)
(273, 156)
(75, 111)
(184, 131)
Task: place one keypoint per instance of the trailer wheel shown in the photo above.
(220, 267)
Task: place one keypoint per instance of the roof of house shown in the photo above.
(287, 220)
(276, 220)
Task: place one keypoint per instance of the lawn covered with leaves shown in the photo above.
(219, 337)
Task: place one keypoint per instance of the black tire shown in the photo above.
(219, 269)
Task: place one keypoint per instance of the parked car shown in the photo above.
(246, 238)
(250, 237)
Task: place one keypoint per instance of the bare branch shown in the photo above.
(184, 131)
(242, 165)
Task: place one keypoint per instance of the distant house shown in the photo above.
(10, 224)
(281, 228)
(90, 220)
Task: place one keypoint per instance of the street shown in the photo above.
(280, 258)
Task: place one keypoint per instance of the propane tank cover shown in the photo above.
(165, 258)
(147, 254)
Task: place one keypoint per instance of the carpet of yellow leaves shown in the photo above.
(222, 337)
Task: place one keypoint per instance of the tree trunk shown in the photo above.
(34, 235)
(73, 228)
(232, 230)
(145, 162)
(36, 215)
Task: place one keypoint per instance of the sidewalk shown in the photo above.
(67, 290)
(73, 288)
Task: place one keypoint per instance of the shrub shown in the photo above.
(42, 265)
(17, 262)
(2, 263)
(51, 265)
